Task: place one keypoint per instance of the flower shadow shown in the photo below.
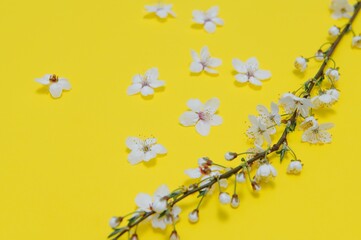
(222, 214)
(154, 16)
(298, 74)
(197, 26)
(43, 90)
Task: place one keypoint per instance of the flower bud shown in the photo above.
(333, 74)
(229, 156)
(240, 178)
(204, 162)
(224, 198)
(194, 216)
(174, 235)
(255, 186)
(134, 237)
(159, 205)
(319, 56)
(334, 31)
(301, 64)
(295, 167)
(115, 221)
(235, 201)
(356, 41)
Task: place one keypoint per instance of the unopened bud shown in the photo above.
(229, 156)
(194, 216)
(174, 235)
(235, 201)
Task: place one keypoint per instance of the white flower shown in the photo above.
(309, 122)
(235, 201)
(301, 64)
(194, 216)
(204, 62)
(115, 221)
(161, 10)
(224, 198)
(145, 84)
(272, 117)
(265, 172)
(295, 167)
(240, 178)
(259, 131)
(208, 18)
(250, 72)
(316, 133)
(290, 103)
(341, 9)
(334, 31)
(143, 150)
(204, 162)
(332, 74)
(356, 41)
(56, 84)
(146, 203)
(229, 156)
(202, 115)
(326, 98)
(319, 55)
(174, 235)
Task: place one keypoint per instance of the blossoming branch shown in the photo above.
(320, 91)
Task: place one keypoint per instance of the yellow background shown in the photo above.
(64, 169)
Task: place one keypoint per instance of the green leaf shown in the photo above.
(117, 231)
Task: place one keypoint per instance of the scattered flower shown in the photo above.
(265, 172)
(202, 115)
(341, 9)
(224, 198)
(208, 18)
(174, 235)
(325, 99)
(259, 131)
(332, 74)
(301, 64)
(204, 62)
(194, 216)
(334, 31)
(272, 117)
(250, 72)
(145, 84)
(316, 133)
(295, 167)
(240, 177)
(229, 156)
(356, 41)
(56, 84)
(291, 103)
(235, 201)
(161, 10)
(143, 150)
(115, 221)
(319, 56)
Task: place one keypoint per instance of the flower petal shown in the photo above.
(137, 78)
(262, 74)
(252, 62)
(135, 156)
(188, 118)
(205, 53)
(152, 74)
(203, 127)
(156, 83)
(255, 81)
(133, 143)
(212, 12)
(147, 91)
(216, 120)
(242, 78)
(214, 62)
(159, 149)
(161, 191)
(196, 67)
(143, 201)
(198, 16)
(44, 80)
(55, 90)
(210, 70)
(326, 126)
(133, 89)
(162, 13)
(195, 105)
(193, 173)
(239, 66)
(210, 27)
(218, 21)
(212, 105)
(158, 222)
(195, 56)
(149, 155)
(150, 141)
(151, 8)
(64, 83)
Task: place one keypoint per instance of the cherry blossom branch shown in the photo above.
(202, 187)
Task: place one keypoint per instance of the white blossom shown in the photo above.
(341, 9)
(265, 172)
(294, 167)
(194, 216)
(204, 62)
(161, 10)
(290, 103)
(56, 84)
(114, 222)
(333, 74)
(325, 98)
(229, 156)
(202, 115)
(143, 150)
(208, 18)
(356, 41)
(259, 131)
(235, 201)
(174, 235)
(334, 31)
(145, 84)
(146, 203)
(253, 151)
(240, 177)
(301, 64)
(224, 198)
(272, 117)
(319, 55)
(315, 132)
(250, 72)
